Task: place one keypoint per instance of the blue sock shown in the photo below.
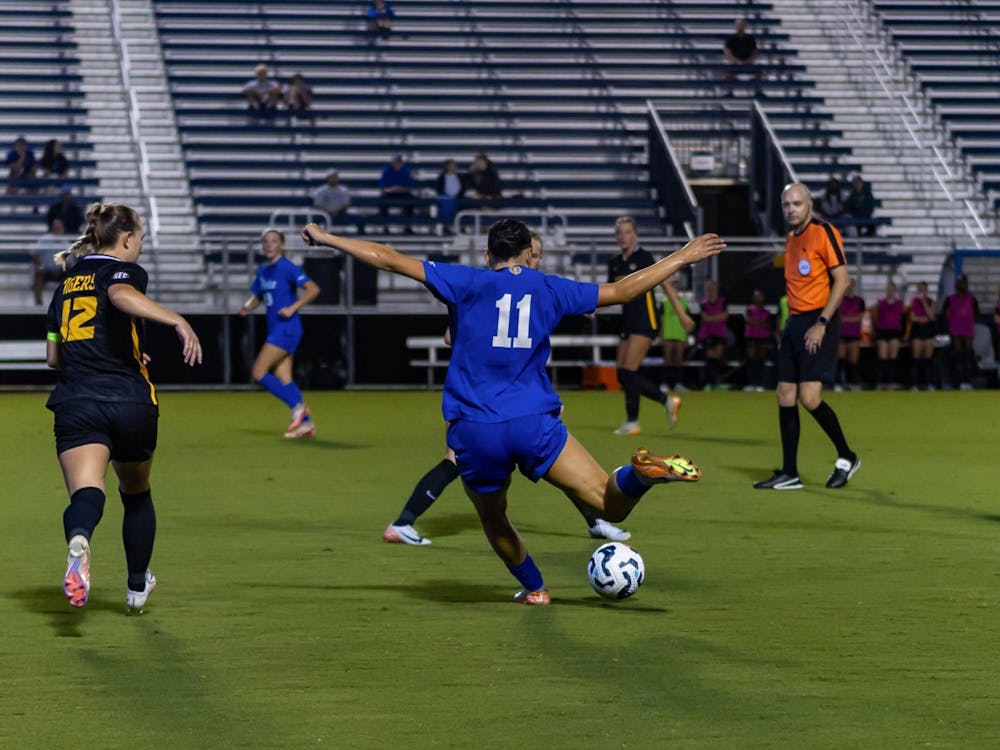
(278, 390)
(527, 574)
(293, 394)
(630, 483)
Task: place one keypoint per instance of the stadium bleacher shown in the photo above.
(561, 116)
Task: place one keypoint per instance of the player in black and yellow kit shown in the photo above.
(640, 326)
(104, 403)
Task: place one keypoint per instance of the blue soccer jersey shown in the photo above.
(500, 323)
(278, 284)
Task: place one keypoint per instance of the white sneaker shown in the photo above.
(76, 582)
(628, 428)
(679, 388)
(664, 389)
(605, 530)
(403, 535)
(136, 600)
(965, 387)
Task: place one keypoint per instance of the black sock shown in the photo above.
(86, 506)
(631, 387)
(788, 422)
(852, 373)
(711, 371)
(673, 376)
(841, 376)
(827, 419)
(138, 534)
(648, 389)
(428, 489)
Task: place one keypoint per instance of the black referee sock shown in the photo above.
(86, 506)
(827, 419)
(138, 534)
(788, 422)
(630, 384)
(428, 489)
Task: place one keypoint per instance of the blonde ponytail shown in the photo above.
(104, 223)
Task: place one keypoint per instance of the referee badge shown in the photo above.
(804, 267)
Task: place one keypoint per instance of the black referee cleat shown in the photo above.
(779, 481)
(843, 470)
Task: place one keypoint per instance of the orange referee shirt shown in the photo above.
(809, 258)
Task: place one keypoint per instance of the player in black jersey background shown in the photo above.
(104, 403)
(640, 326)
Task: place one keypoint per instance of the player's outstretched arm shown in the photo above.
(130, 300)
(623, 290)
(381, 256)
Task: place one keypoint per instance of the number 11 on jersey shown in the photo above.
(503, 340)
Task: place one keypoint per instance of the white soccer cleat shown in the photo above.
(673, 408)
(628, 428)
(605, 530)
(76, 582)
(304, 430)
(136, 600)
(403, 535)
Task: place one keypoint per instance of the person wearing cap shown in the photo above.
(333, 199)
(66, 210)
(816, 278)
(396, 184)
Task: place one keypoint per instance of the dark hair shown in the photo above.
(49, 153)
(507, 239)
(105, 223)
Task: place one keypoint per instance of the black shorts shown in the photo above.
(127, 429)
(710, 342)
(923, 331)
(626, 332)
(849, 339)
(888, 335)
(795, 364)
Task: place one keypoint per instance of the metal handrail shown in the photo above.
(135, 116)
(894, 96)
(773, 137)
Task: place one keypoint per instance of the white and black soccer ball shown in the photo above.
(615, 570)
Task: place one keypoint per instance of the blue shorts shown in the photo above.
(487, 452)
(285, 337)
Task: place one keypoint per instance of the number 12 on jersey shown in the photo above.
(503, 340)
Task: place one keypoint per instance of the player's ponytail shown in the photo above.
(104, 223)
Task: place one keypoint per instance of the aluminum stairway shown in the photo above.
(843, 47)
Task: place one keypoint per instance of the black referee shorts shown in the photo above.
(795, 364)
(127, 429)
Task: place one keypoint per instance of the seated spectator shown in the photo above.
(334, 199)
(831, 203)
(860, 204)
(740, 51)
(396, 184)
(298, 96)
(758, 334)
(449, 188)
(483, 179)
(380, 16)
(20, 167)
(54, 163)
(43, 263)
(713, 333)
(262, 92)
(66, 210)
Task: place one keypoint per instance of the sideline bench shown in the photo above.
(23, 355)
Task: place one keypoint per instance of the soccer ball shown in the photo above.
(615, 570)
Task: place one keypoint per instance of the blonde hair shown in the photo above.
(625, 220)
(104, 224)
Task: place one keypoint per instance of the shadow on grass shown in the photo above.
(63, 620)
(450, 524)
(314, 442)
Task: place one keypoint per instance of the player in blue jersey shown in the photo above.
(434, 482)
(498, 400)
(104, 405)
(277, 285)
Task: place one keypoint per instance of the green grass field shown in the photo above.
(863, 618)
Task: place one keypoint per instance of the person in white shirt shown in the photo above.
(334, 200)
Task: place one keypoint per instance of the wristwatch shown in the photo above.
(822, 321)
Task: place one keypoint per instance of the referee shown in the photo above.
(815, 280)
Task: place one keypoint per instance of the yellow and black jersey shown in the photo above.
(100, 346)
(639, 315)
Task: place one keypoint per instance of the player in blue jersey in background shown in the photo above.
(498, 400)
(277, 285)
